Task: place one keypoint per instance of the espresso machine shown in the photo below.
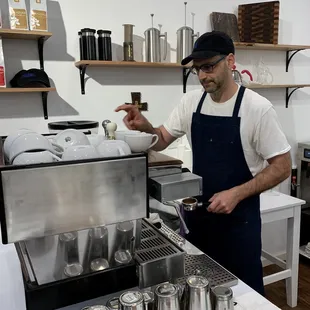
(81, 228)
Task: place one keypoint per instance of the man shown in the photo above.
(233, 131)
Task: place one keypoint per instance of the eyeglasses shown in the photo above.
(206, 68)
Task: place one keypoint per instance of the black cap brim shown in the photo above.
(199, 55)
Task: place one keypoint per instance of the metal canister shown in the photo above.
(98, 307)
(132, 300)
(223, 298)
(167, 297)
(197, 293)
(124, 235)
(113, 303)
(149, 300)
(122, 257)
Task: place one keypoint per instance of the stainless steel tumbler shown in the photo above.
(167, 297)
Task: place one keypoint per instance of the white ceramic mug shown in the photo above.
(95, 140)
(141, 142)
(113, 148)
(120, 134)
(71, 137)
(78, 152)
(29, 158)
(32, 142)
(11, 138)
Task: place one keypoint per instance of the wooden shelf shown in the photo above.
(24, 34)
(26, 90)
(259, 86)
(42, 90)
(130, 64)
(269, 47)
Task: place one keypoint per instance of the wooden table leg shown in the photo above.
(292, 259)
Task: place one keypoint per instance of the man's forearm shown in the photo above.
(161, 144)
(278, 171)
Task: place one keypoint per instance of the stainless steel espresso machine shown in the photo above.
(80, 228)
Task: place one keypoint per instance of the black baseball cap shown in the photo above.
(211, 44)
(30, 78)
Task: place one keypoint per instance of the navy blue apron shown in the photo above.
(233, 240)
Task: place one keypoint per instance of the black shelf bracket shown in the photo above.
(289, 94)
(41, 41)
(289, 57)
(44, 103)
(186, 73)
(82, 78)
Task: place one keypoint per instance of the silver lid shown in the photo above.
(73, 270)
(98, 232)
(198, 282)
(223, 293)
(131, 298)
(122, 257)
(166, 290)
(99, 264)
(68, 236)
(148, 297)
(125, 226)
(113, 303)
(98, 307)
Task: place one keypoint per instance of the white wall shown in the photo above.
(161, 88)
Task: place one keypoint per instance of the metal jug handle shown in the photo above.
(166, 44)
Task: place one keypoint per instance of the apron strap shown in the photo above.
(238, 101)
(201, 102)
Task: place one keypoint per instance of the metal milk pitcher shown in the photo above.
(197, 293)
(153, 45)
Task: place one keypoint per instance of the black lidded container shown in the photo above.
(81, 45)
(104, 44)
(89, 44)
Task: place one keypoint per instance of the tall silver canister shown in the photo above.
(185, 39)
(153, 44)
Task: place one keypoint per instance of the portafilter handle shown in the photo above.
(177, 207)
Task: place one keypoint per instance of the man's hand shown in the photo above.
(224, 202)
(134, 120)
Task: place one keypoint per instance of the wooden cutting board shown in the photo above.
(157, 159)
(259, 22)
(225, 22)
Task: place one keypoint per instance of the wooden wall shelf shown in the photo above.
(26, 90)
(83, 64)
(24, 34)
(269, 47)
(40, 37)
(44, 93)
(130, 64)
(286, 86)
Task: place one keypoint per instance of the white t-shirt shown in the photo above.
(261, 133)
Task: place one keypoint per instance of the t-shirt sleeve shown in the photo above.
(269, 138)
(178, 121)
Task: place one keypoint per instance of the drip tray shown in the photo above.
(205, 266)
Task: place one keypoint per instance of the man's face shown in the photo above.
(214, 72)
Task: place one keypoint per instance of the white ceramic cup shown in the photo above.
(11, 138)
(120, 134)
(141, 142)
(32, 142)
(78, 152)
(95, 140)
(113, 148)
(71, 137)
(29, 158)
